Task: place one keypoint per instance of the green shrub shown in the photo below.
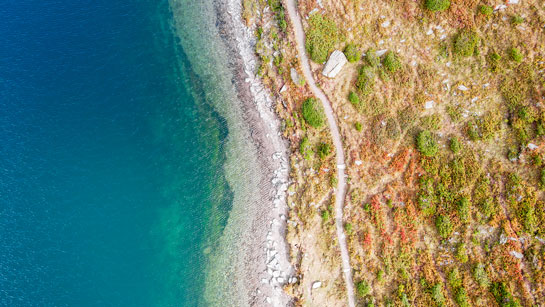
(461, 298)
(494, 56)
(322, 36)
(352, 53)
(455, 144)
(362, 288)
(354, 98)
(391, 62)
(348, 228)
(325, 215)
(371, 57)
(515, 55)
(358, 126)
(426, 144)
(480, 275)
(324, 149)
(517, 20)
(488, 208)
(366, 80)
(454, 278)
(380, 276)
(444, 226)
(431, 122)
(305, 149)
(313, 113)
(437, 295)
(437, 5)
(503, 297)
(464, 209)
(465, 43)
(461, 253)
(486, 10)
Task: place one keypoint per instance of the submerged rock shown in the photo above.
(336, 62)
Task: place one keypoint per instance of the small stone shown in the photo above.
(381, 52)
(532, 146)
(462, 88)
(316, 284)
(265, 281)
(430, 32)
(358, 162)
(429, 104)
(516, 254)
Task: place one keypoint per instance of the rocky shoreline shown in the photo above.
(265, 262)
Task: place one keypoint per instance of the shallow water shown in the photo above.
(111, 156)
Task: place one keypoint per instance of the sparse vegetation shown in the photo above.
(465, 43)
(322, 36)
(426, 144)
(515, 55)
(362, 288)
(437, 5)
(391, 62)
(352, 53)
(486, 10)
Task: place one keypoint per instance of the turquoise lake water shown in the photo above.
(111, 157)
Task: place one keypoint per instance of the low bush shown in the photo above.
(444, 226)
(461, 253)
(461, 298)
(515, 55)
(486, 10)
(324, 150)
(313, 113)
(503, 296)
(437, 5)
(371, 57)
(352, 53)
(366, 80)
(358, 126)
(437, 295)
(454, 278)
(325, 216)
(464, 210)
(322, 36)
(354, 98)
(517, 20)
(348, 228)
(455, 145)
(391, 62)
(480, 275)
(465, 43)
(305, 149)
(426, 144)
(362, 288)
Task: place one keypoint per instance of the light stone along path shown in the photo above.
(341, 184)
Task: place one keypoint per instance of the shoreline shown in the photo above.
(264, 249)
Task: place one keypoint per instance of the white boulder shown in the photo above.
(334, 65)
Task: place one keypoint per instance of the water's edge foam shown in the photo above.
(252, 249)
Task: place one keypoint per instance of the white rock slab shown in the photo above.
(336, 62)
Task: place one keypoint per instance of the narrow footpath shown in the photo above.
(341, 184)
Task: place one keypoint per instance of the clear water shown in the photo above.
(111, 155)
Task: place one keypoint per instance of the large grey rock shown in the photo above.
(334, 65)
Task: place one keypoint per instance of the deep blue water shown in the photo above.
(110, 158)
